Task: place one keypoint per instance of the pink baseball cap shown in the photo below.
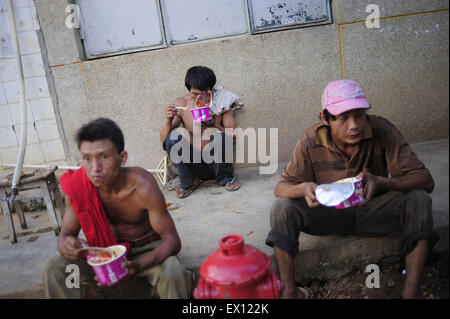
(343, 95)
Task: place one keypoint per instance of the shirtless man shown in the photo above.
(198, 79)
(135, 210)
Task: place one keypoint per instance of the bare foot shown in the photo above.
(196, 181)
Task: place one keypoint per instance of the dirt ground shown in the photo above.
(434, 283)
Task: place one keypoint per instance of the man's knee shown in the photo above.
(174, 280)
(285, 224)
(57, 267)
(223, 144)
(53, 267)
(53, 276)
(282, 210)
(170, 141)
(419, 197)
(172, 268)
(417, 212)
(225, 141)
(419, 202)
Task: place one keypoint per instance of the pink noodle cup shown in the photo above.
(356, 197)
(113, 270)
(341, 194)
(202, 111)
(201, 114)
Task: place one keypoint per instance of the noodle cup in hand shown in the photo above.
(109, 268)
(202, 111)
(341, 194)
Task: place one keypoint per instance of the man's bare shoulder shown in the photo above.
(145, 184)
(183, 100)
(140, 176)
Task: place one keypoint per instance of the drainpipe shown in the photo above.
(23, 103)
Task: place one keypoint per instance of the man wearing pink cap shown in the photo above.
(349, 143)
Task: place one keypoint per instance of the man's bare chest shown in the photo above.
(124, 211)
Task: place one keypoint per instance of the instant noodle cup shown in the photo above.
(357, 197)
(341, 194)
(108, 264)
(204, 99)
(201, 114)
(202, 111)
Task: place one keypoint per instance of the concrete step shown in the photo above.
(335, 256)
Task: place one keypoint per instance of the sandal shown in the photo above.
(233, 185)
(172, 184)
(183, 193)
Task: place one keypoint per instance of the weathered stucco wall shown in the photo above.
(265, 71)
(402, 67)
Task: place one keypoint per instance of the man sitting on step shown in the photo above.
(349, 143)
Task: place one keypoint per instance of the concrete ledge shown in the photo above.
(330, 257)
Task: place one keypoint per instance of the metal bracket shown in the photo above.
(161, 171)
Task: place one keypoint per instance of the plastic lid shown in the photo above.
(334, 194)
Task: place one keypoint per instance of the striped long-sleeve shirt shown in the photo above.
(382, 151)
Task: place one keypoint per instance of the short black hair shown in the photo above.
(200, 77)
(328, 116)
(99, 129)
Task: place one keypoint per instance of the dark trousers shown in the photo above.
(408, 214)
(221, 171)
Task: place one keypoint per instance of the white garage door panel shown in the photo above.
(203, 19)
(269, 14)
(117, 25)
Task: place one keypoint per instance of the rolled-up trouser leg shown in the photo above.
(417, 221)
(289, 217)
(408, 214)
(55, 275)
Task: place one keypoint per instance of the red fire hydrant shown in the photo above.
(237, 271)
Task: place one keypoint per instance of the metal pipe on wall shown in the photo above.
(61, 167)
(23, 103)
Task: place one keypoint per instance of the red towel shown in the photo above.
(88, 206)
